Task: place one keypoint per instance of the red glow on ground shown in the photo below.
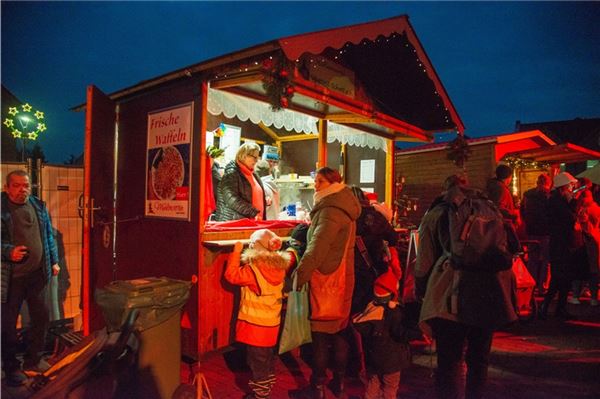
(584, 323)
(590, 360)
(505, 342)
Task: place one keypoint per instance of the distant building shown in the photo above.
(579, 131)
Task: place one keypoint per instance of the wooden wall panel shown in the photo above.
(425, 173)
(148, 247)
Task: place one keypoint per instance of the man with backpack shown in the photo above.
(464, 278)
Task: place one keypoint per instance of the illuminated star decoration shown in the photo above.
(26, 123)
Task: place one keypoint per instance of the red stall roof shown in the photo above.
(532, 145)
(338, 38)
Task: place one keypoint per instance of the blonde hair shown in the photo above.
(246, 149)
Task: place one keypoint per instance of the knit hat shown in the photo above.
(388, 283)
(371, 196)
(503, 171)
(563, 178)
(299, 232)
(265, 240)
(262, 168)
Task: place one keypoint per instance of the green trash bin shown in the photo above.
(159, 301)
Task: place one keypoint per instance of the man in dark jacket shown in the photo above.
(564, 245)
(450, 313)
(29, 259)
(536, 217)
(497, 190)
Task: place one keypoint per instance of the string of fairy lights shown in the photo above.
(278, 72)
(519, 163)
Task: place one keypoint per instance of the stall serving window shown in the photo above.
(289, 143)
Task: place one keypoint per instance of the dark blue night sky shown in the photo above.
(500, 62)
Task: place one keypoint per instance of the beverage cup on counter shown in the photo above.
(293, 176)
(291, 210)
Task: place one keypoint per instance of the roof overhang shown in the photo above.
(504, 143)
(559, 153)
(383, 36)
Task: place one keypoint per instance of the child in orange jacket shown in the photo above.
(260, 272)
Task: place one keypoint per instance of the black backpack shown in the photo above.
(479, 238)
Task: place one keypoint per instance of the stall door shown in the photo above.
(97, 207)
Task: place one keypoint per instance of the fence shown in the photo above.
(60, 186)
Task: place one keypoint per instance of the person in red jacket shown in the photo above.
(260, 272)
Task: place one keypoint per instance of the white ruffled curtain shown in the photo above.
(355, 137)
(243, 108)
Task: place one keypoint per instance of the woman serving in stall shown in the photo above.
(240, 193)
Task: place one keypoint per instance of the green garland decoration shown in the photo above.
(214, 152)
(519, 163)
(277, 82)
(458, 151)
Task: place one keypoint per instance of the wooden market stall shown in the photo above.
(335, 97)
(530, 153)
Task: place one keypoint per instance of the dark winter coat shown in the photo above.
(331, 227)
(535, 212)
(563, 241)
(385, 342)
(482, 299)
(373, 228)
(567, 251)
(501, 196)
(234, 195)
(50, 254)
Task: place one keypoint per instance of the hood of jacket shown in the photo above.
(343, 200)
(272, 264)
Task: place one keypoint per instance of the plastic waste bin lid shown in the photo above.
(156, 298)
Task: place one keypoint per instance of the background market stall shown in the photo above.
(530, 153)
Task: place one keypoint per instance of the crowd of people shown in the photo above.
(348, 258)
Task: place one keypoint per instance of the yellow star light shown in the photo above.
(32, 135)
(16, 133)
(41, 127)
(8, 122)
(39, 115)
(13, 111)
(26, 107)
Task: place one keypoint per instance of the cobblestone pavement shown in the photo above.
(551, 358)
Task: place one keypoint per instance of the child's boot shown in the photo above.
(311, 391)
(261, 389)
(337, 386)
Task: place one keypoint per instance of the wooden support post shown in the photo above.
(202, 217)
(322, 158)
(390, 173)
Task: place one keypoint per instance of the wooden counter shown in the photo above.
(217, 299)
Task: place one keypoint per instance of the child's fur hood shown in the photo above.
(275, 259)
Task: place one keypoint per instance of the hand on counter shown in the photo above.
(237, 247)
